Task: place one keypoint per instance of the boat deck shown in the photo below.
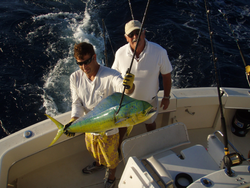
(66, 173)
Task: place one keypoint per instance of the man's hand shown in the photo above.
(69, 134)
(128, 81)
(165, 103)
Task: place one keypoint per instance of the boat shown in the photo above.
(201, 140)
(182, 133)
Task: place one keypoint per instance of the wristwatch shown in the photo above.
(167, 97)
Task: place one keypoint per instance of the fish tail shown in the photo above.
(60, 129)
(59, 133)
(58, 124)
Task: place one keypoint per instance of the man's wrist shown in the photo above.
(167, 97)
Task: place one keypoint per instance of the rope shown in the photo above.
(247, 67)
(223, 122)
(5, 130)
(131, 64)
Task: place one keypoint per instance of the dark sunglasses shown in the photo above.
(88, 61)
(135, 32)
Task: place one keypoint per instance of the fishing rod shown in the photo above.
(105, 50)
(131, 64)
(217, 81)
(247, 67)
(131, 10)
(107, 33)
(228, 158)
(104, 28)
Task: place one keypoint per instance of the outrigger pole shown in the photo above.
(139, 35)
(247, 67)
(234, 158)
(105, 32)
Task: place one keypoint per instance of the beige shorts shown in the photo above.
(155, 104)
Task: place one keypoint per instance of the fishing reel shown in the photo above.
(230, 160)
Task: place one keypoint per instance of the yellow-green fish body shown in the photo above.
(103, 117)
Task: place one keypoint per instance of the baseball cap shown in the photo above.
(131, 26)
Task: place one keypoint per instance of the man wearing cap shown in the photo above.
(90, 85)
(150, 60)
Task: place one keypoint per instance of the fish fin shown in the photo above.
(129, 129)
(60, 129)
(59, 133)
(120, 120)
(102, 133)
(58, 124)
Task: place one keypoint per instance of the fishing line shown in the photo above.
(247, 67)
(128, 153)
(223, 122)
(131, 64)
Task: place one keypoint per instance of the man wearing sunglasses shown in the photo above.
(150, 60)
(89, 85)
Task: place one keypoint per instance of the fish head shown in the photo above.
(147, 112)
(135, 112)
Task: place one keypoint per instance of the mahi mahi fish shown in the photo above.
(103, 117)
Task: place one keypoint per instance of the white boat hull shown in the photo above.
(28, 162)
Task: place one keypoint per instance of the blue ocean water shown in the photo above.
(37, 39)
